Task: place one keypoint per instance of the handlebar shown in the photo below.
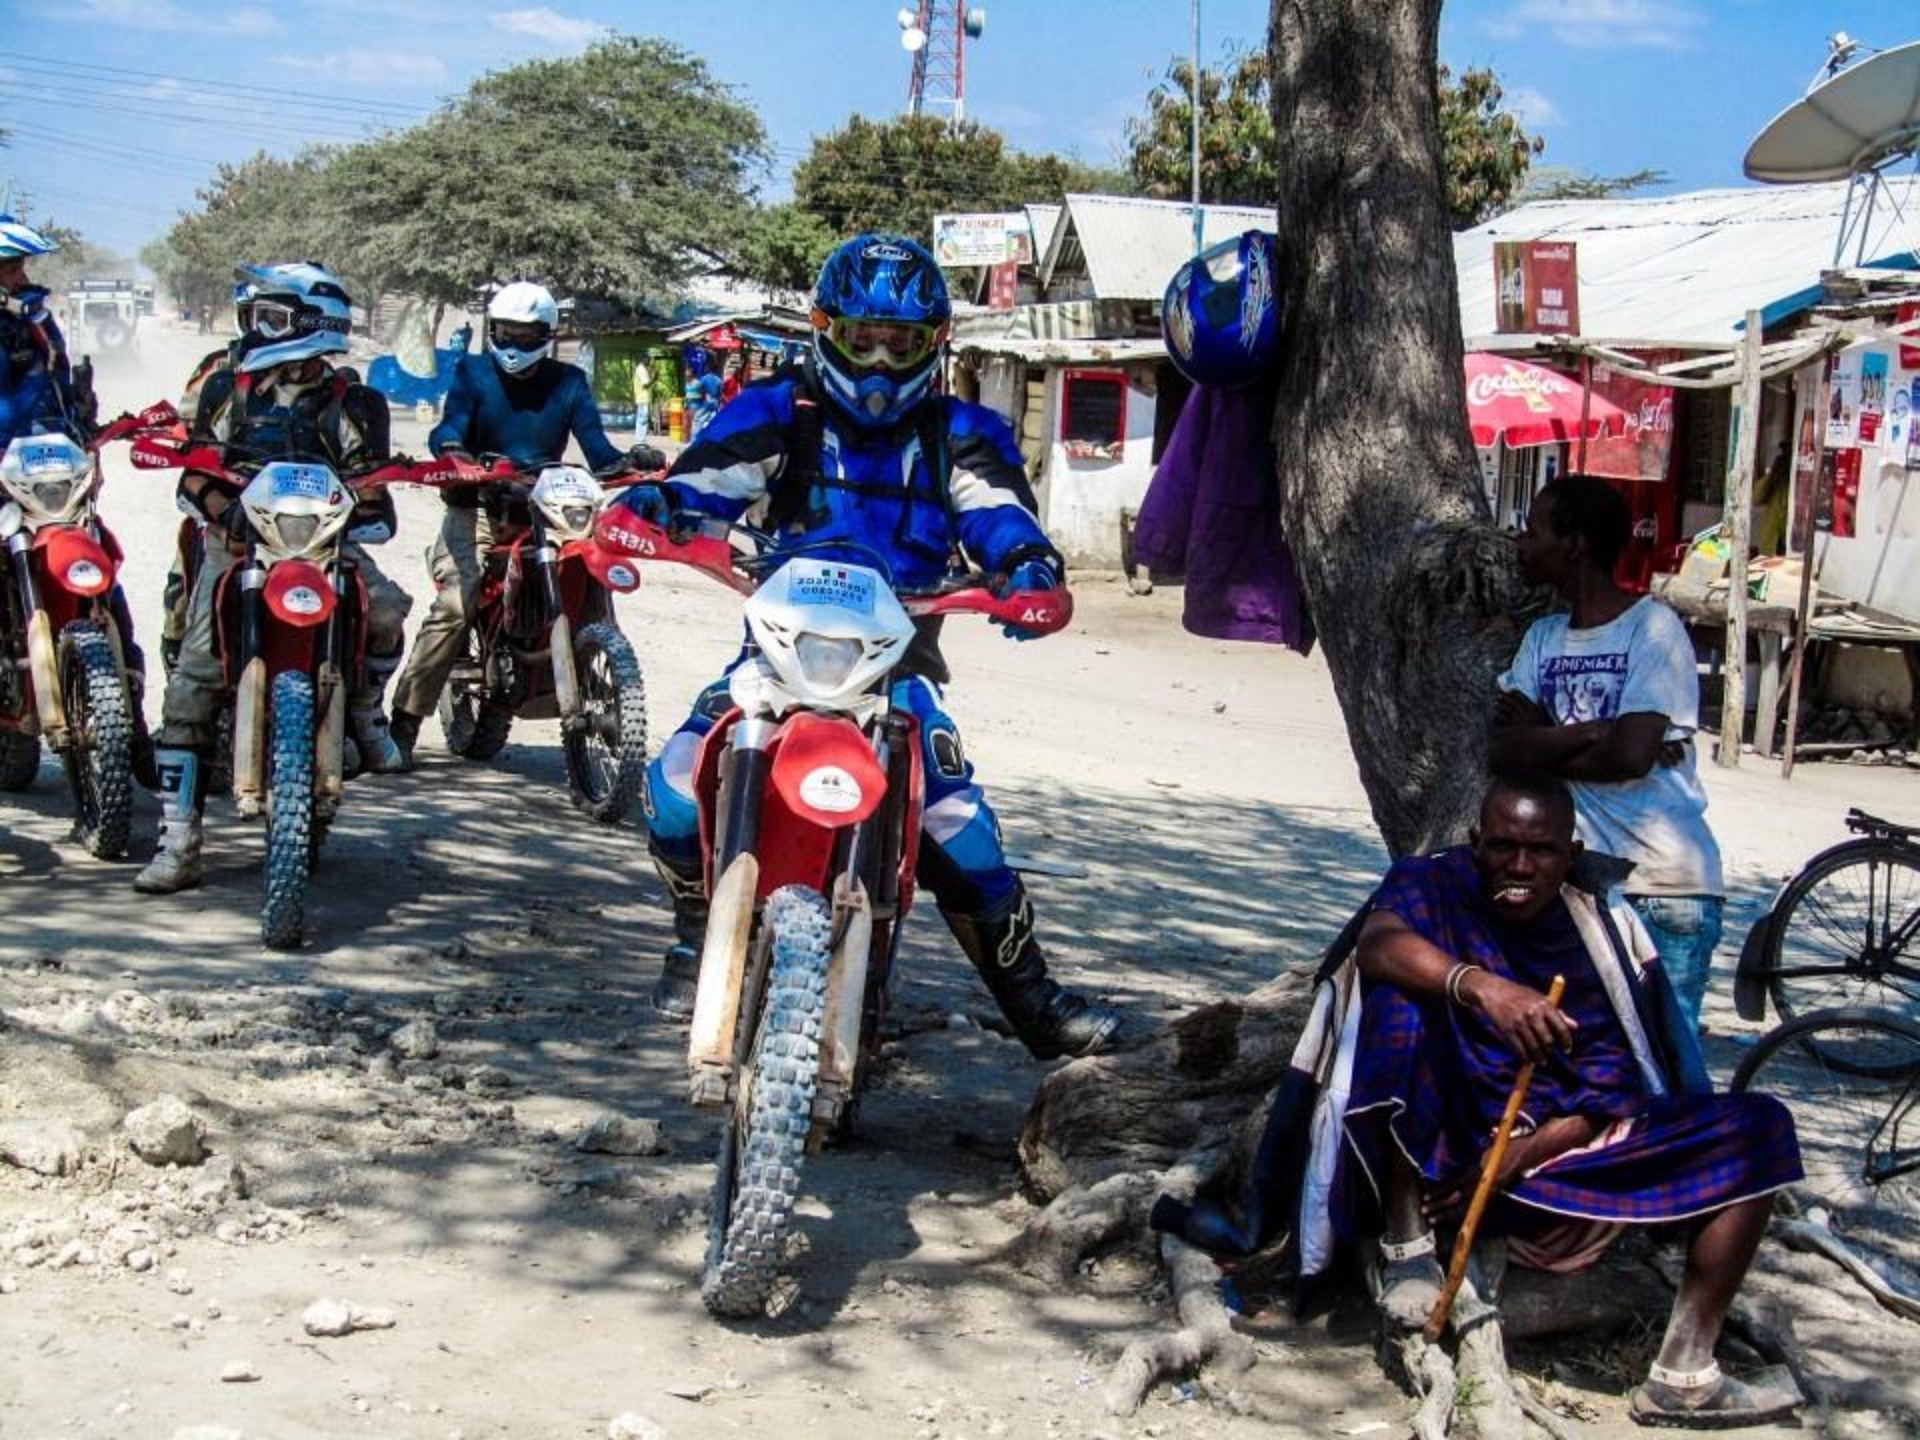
(706, 544)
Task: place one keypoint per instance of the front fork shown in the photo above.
(336, 654)
(43, 657)
(566, 674)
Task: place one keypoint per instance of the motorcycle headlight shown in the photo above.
(577, 518)
(297, 531)
(825, 662)
(52, 495)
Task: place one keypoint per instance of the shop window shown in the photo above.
(1093, 415)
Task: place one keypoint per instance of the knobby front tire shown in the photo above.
(283, 908)
(99, 753)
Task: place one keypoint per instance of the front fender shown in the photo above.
(825, 770)
(75, 561)
(299, 593)
(612, 570)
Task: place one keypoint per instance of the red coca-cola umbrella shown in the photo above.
(1520, 404)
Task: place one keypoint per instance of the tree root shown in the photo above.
(1079, 1221)
(1205, 1335)
(1814, 1236)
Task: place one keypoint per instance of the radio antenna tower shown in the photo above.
(935, 33)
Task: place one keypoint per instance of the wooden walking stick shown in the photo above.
(1483, 1192)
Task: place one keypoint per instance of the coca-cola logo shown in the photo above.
(1512, 383)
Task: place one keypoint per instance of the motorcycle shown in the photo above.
(543, 642)
(63, 674)
(809, 792)
(290, 635)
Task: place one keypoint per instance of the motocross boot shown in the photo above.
(404, 728)
(1049, 1020)
(183, 792)
(679, 978)
(380, 752)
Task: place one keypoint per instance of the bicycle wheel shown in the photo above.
(1852, 1080)
(1846, 932)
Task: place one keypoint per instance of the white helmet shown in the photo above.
(295, 311)
(20, 241)
(520, 321)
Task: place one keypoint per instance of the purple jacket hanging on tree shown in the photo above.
(1213, 515)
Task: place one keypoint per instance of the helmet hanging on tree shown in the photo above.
(880, 316)
(295, 312)
(521, 319)
(1220, 317)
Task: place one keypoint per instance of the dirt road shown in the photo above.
(401, 1097)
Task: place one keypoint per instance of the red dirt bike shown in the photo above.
(543, 642)
(809, 791)
(290, 634)
(63, 673)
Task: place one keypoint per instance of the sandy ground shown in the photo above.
(538, 1290)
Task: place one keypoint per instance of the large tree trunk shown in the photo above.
(1411, 589)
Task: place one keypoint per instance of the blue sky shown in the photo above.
(175, 85)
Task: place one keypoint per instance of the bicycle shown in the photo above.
(1852, 1079)
(1843, 932)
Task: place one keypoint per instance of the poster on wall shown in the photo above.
(1641, 450)
(1873, 395)
(1536, 287)
(1909, 312)
(1846, 494)
(1843, 400)
(1897, 437)
(1810, 387)
(1913, 429)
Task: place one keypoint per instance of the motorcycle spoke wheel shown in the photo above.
(750, 1220)
(99, 753)
(606, 747)
(475, 724)
(283, 908)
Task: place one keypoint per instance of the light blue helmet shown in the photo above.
(20, 241)
(880, 315)
(295, 312)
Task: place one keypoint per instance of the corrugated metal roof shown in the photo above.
(1129, 248)
(1065, 352)
(1683, 267)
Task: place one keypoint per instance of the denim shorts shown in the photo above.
(1685, 929)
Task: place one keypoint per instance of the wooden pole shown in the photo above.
(1802, 613)
(1586, 409)
(1483, 1192)
(1746, 449)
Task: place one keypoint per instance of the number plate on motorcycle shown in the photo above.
(818, 582)
(299, 482)
(63, 456)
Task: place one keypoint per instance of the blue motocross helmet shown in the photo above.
(1220, 317)
(880, 316)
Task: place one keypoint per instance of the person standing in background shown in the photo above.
(642, 397)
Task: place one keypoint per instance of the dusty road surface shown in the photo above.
(392, 1111)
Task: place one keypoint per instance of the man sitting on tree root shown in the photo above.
(1618, 1127)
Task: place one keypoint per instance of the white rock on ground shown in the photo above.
(416, 1040)
(620, 1135)
(634, 1426)
(238, 1372)
(340, 1317)
(166, 1132)
(46, 1147)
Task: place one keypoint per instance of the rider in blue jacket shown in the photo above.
(514, 400)
(858, 444)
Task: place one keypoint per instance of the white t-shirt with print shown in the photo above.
(1640, 663)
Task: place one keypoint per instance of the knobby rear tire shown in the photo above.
(476, 726)
(605, 788)
(747, 1232)
(283, 908)
(99, 756)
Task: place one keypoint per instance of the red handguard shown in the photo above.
(1045, 612)
(620, 530)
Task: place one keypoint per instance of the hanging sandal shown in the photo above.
(1707, 1399)
(1407, 1280)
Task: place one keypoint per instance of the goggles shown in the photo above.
(276, 320)
(889, 344)
(517, 335)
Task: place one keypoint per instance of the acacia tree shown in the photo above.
(1486, 150)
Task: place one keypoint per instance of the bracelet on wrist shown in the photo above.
(1457, 977)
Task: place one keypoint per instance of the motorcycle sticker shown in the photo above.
(622, 577)
(842, 587)
(300, 482)
(302, 600)
(831, 790)
(85, 576)
(37, 459)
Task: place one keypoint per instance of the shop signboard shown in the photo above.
(1536, 286)
(961, 241)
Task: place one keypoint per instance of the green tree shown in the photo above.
(1485, 151)
(1554, 183)
(607, 174)
(260, 211)
(783, 247)
(896, 175)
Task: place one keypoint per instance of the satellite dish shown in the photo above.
(912, 39)
(975, 23)
(1859, 120)
(906, 18)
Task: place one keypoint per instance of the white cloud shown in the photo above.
(1534, 109)
(547, 24)
(1602, 24)
(370, 69)
(165, 15)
